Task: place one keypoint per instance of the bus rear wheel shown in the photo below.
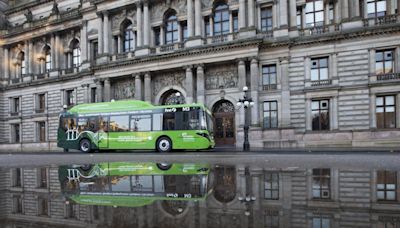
(164, 144)
(85, 145)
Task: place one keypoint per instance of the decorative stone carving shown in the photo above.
(221, 77)
(117, 19)
(157, 11)
(123, 89)
(55, 10)
(29, 16)
(168, 79)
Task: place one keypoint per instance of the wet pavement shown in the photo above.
(200, 189)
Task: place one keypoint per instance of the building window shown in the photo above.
(171, 30)
(314, 13)
(271, 186)
(384, 62)
(42, 177)
(47, 59)
(320, 115)
(319, 69)
(69, 97)
(17, 204)
(76, 54)
(207, 26)
(266, 19)
(21, 60)
(70, 211)
(221, 20)
(270, 114)
(16, 136)
(17, 177)
(235, 21)
(321, 186)
(376, 8)
(386, 111)
(95, 50)
(43, 207)
(41, 130)
(93, 95)
(157, 33)
(15, 106)
(386, 186)
(271, 219)
(321, 222)
(331, 12)
(184, 30)
(41, 103)
(299, 18)
(128, 37)
(269, 77)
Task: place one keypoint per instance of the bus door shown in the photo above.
(102, 136)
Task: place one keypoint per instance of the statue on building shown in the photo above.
(29, 16)
(55, 10)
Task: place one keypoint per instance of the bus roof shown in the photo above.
(124, 105)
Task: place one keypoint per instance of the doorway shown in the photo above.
(224, 125)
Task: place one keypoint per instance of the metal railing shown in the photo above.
(388, 77)
(387, 19)
(321, 82)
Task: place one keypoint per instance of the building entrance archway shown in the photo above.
(170, 97)
(224, 124)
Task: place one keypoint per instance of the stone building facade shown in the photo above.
(321, 73)
(303, 197)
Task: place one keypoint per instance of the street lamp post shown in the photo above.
(247, 103)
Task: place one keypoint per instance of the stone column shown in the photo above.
(326, 13)
(303, 16)
(139, 24)
(53, 51)
(190, 18)
(255, 78)
(180, 34)
(99, 91)
(200, 85)
(345, 9)
(106, 30)
(107, 90)
(100, 33)
(31, 56)
(293, 14)
(372, 68)
(398, 9)
(6, 63)
(231, 22)
(242, 14)
(250, 11)
(26, 56)
(307, 67)
(241, 74)
(147, 87)
(335, 113)
(86, 94)
(365, 9)
(308, 115)
(138, 87)
(59, 51)
(197, 14)
(372, 111)
(397, 111)
(283, 14)
(119, 44)
(211, 26)
(285, 106)
(274, 15)
(337, 14)
(356, 8)
(162, 35)
(84, 42)
(189, 85)
(146, 24)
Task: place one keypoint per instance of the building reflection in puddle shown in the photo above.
(126, 194)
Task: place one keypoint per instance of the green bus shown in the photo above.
(129, 184)
(132, 124)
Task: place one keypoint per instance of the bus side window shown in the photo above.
(169, 121)
(157, 121)
(103, 124)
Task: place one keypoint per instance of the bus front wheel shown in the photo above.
(85, 145)
(164, 144)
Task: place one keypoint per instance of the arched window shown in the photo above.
(128, 37)
(47, 59)
(76, 54)
(221, 19)
(21, 60)
(171, 29)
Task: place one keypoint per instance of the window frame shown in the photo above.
(41, 128)
(375, 12)
(385, 189)
(319, 69)
(269, 85)
(267, 18)
(271, 189)
(384, 61)
(269, 115)
(128, 38)
(219, 11)
(314, 12)
(320, 128)
(320, 187)
(384, 106)
(76, 55)
(171, 28)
